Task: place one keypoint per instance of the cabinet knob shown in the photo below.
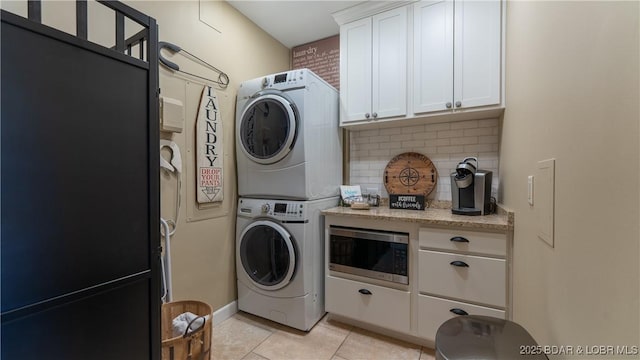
(459, 263)
(367, 115)
(458, 104)
(449, 105)
(375, 115)
(459, 311)
(365, 292)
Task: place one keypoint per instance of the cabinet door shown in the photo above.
(465, 277)
(433, 311)
(355, 70)
(433, 56)
(390, 63)
(377, 305)
(477, 53)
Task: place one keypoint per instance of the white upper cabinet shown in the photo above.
(433, 56)
(438, 60)
(373, 67)
(477, 53)
(355, 70)
(390, 63)
(457, 55)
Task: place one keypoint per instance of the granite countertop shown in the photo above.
(502, 221)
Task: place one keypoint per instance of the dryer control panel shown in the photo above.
(285, 80)
(282, 210)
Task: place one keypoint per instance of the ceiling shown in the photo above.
(293, 22)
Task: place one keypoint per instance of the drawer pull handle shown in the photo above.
(365, 292)
(459, 263)
(459, 239)
(459, 311)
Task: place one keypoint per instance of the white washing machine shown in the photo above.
(280, 259)
(288, 142)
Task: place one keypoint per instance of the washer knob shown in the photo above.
(266, 208)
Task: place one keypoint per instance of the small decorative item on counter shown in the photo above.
(351, 196)
(348, 201)
(409, 178)
(373, 199)
(360, 205)
(349, 191)
(407, 202)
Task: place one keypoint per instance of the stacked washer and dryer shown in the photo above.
(289, 160)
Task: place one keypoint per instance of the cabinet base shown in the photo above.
(382, 331)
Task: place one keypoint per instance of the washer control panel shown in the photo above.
(280, 209)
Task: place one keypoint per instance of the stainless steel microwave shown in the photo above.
(382, 255)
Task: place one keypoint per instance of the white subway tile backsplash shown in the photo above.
(379, 139)
(471, 124)
(412, 144)
(488, 123)
(359, 165)
(425, 135)
(413, 129)
(360, 140)
(381, 152)
(402, 137)
(478, 132)
(450, 133)
(368, 146)
(391, 145)
(358, 154)
(437, 127)
(445, 144)
(369, 132)
(391, 131)
(440, 142)
(467, 140)
(450, 149)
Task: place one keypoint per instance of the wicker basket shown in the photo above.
(194, 346)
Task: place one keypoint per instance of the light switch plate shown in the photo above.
(544, 199)
(530, 190)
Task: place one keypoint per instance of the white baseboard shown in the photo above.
(225, 312)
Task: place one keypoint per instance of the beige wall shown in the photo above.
(203, 251)
(573, 95)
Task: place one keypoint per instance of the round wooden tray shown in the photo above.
(410, 173)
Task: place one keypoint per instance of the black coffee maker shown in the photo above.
(470, 189)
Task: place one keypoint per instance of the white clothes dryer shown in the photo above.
(288, 142)
(280, 259)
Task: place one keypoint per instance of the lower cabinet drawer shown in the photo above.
(433, 311)
(470, 278)
(386, 307)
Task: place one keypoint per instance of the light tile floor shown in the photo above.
(248, 337)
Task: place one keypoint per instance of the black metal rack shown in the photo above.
(80, 270)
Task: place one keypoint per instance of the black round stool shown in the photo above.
(483, 337)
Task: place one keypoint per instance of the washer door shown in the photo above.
(267, 254)
(268, 128)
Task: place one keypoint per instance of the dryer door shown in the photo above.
(267, 254)
(267, 128)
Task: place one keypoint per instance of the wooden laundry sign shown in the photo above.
(209, 148)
